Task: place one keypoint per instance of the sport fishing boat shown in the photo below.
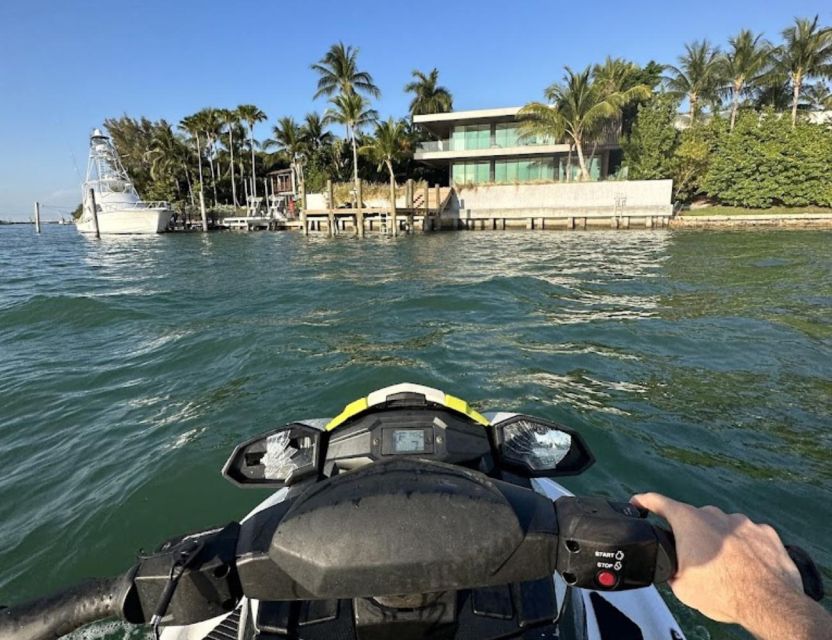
(119, 207)
(409, 515)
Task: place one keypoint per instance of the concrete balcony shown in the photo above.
(444, 150)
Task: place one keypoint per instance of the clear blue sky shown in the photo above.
(65, 66)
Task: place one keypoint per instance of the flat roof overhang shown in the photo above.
(439, 158)
(440, 124)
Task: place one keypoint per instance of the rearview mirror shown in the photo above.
(536, 448)
(275, 459)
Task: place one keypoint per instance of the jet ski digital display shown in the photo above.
(409, 441)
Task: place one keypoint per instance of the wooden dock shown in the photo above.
(421, 212)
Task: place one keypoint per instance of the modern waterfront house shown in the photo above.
(485, 146)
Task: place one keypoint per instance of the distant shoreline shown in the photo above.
(30, 222)
(705, 218)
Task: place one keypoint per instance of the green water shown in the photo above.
(698, 364)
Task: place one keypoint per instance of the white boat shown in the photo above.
(120, 209)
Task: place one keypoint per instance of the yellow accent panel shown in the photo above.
(349, 411)
(458, 404)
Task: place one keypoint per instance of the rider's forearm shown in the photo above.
(794, 616)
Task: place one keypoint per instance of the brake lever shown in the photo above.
(667, 563)
(809, 573)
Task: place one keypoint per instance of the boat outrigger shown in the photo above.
(409, 515)
(119, 207)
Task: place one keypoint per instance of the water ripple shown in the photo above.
(698, 364)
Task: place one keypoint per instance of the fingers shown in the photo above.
(657, 503)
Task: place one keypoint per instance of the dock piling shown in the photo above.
(303, 222)
(331, 210)
(94, 214)
(395, 220)
(37, 217)
(359, 213)
(202, 210)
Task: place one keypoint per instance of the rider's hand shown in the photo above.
(731, 569)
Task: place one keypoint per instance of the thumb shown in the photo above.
(657, 503)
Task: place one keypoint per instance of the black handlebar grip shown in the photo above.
(61, 613)
(809, 572)
(666, 562)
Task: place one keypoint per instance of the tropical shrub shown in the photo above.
(697, 147)
(765, 162)
(649, 149)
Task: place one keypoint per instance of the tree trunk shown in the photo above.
(190, 188)
(199, 160)
(797, 83)
(393, 218)
(233, 180)
(253, 166)
(581, 161)
(591, 158)
(693, 101)
(735, 103)
(569, 165)
(213, 178)
(354, 159)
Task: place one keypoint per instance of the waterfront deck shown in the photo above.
(422, 212)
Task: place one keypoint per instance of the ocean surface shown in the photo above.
(695, 363)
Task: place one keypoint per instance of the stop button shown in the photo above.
(606, 579)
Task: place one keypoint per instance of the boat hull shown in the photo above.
(128, 221)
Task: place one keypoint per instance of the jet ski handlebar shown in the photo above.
(403, 527)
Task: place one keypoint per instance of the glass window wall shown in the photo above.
(471, 137)
(507, 135)
(471, 172)
(528, 170)
(594, 166)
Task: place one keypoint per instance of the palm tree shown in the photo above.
(231, 119)
(251, 115)
(167, 156)
(289, 140)
(743, 66)
(578, 109)
(352, 111)
(428, 96)
(338, 72)
(389, 145)
(806, 52)
(818, 97)
(192, 125)
(696, 77)
(211, 123)
(615, 74)
(773, 92)
(314, 132)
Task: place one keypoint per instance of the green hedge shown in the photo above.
(764, 162)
